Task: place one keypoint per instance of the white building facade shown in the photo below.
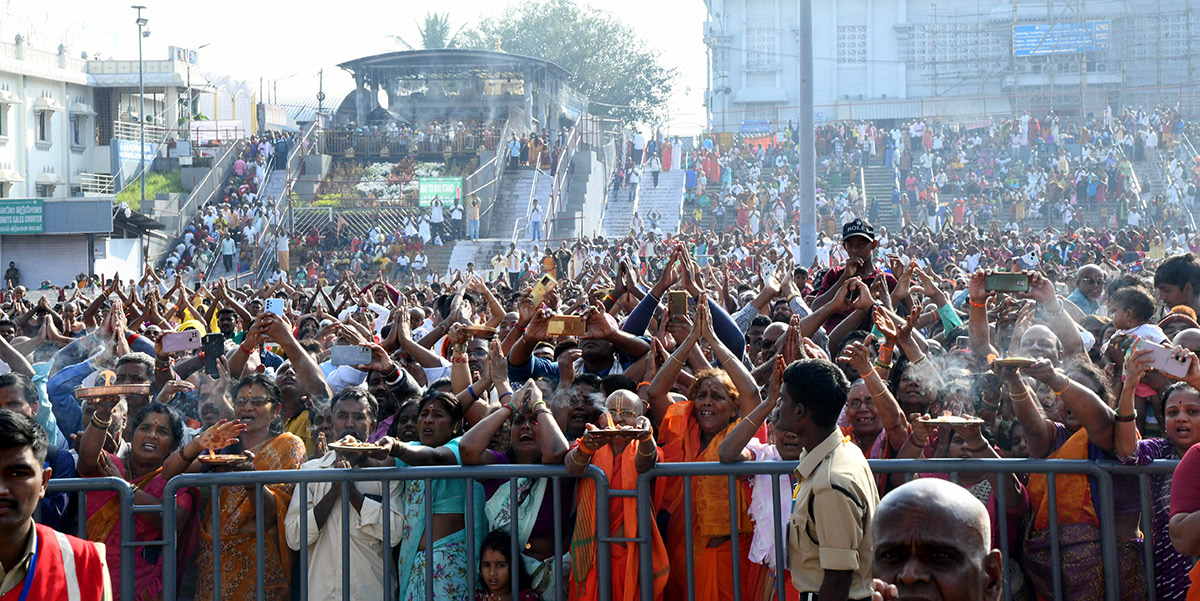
(966, 59)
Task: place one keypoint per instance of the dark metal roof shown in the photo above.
(135, 220)
(460, 58)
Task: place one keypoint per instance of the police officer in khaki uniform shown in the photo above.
(829, 536)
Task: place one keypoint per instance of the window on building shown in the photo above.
(45, 190)
(762, 45)
(3, 120)
(78, 130)
(4, 188)
(43, 126)
(761, 111)
(852, 44)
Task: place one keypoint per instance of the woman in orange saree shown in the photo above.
(1080, 427)
(692, 430)
(256, 402)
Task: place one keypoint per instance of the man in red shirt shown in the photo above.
(33, 558)
(858, 238)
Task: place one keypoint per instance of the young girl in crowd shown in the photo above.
(496, 571)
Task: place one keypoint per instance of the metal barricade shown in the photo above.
(80, 487)
(1103, 473)
(387, 477)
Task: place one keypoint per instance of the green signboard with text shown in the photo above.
(23, 216)
(444, 188)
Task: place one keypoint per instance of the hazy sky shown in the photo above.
(274, 39)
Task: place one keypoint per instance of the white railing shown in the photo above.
(128, 130)
(97, 183)
(43, 58)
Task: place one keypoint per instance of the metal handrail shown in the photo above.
(501, 167)
(561, 175)
(267, 254)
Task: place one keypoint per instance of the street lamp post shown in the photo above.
(191, 109)
(141, 23)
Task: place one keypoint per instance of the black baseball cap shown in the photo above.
(858, 227)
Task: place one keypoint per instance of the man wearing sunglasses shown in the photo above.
(1089, 285)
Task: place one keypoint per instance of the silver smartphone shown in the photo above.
(349, 354)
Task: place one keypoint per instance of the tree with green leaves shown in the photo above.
(618, 71)
(435, 33)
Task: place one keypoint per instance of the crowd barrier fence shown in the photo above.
(1103, 473)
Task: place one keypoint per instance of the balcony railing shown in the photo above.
(404, 143)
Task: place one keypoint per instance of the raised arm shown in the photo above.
(1097, 418)
(1039, 429)
(733, 448)
(668, 373)
(858, 356)
(742, 380)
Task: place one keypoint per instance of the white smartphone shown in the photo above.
(1164, 360)
(273, 305)
(174, 342)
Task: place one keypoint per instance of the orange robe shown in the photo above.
(622, 475)
(710, 516)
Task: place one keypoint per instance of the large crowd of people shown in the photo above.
(1003, 171)
(961, 340)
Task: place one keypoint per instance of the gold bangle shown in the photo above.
(652, 453)
(880, 393)
(1025, 393)
(1064, 389)
(920, 359)
(584, 461)
(681, 361)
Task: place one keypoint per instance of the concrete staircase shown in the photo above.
(667, 198)
(272, 189)
(479, 252)
(512, 202)
(880, 181)
(618, 213)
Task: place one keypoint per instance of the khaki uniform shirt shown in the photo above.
(830, 527)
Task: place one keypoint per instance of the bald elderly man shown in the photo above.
(1089, 285)
(952, 562)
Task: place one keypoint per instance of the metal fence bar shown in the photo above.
(386, 503)
(260, 562)
(303, 505)
(514, 535)
(1002, 525)
(603, 524)
(780, 569)
(345, 499)
(1055, 551)
(469, 497)
(689, 544)
(734, 546)
(82, 486)
(558, 574)
(216, 544)
(1147, 533)
(427, 500)
(1108, 536)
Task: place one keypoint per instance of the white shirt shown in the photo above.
(325, 544)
